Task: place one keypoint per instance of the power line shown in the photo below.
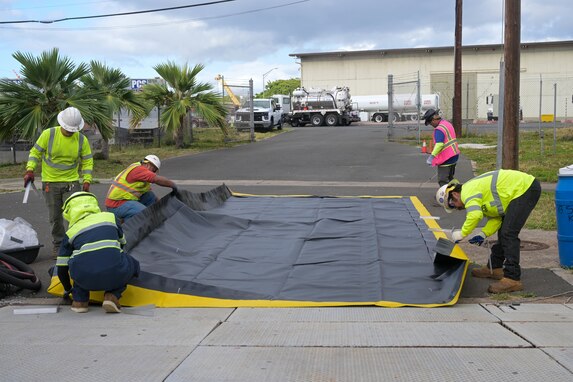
(114, 14)
(165, 23)
(76, 4)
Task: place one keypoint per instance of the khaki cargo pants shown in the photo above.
(55, 194)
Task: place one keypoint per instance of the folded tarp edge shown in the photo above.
(142, 224)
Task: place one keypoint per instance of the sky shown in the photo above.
(249, 39)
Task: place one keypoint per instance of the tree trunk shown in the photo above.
(105, 148)
(190, 121)
(179, 133)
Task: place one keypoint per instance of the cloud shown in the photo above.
(245, 38)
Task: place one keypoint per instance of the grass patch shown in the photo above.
(544, 165)
(511, 296)
(205, 139)
(536, 156)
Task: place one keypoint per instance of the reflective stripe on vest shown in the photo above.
(48, 156)
(120, 183)
(88, 222)
(496, 202)
(84, 229)
(96, 245)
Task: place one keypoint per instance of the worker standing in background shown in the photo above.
(62, 151)
(445, 154)
(130, 192)
(92, 255)
(506, 198)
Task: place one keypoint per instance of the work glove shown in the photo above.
(28, 177)
(477, 239)
(429, 160)
(174, 191)
(457, 235)
(86, 187)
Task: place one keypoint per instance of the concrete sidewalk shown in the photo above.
(470, 342)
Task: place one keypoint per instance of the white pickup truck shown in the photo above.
(267, 114)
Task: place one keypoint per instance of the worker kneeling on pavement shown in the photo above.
(92, 255)
(506, 198)
(130, 192)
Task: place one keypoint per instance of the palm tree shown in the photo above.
(49, 84)
(117, 95)
(182, 94)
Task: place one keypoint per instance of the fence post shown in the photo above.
(554, 118)
(251, 112)
(390, 106)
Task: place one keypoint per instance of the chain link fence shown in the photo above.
(543, 97)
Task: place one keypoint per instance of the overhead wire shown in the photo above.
(171, 22)
(115, 14)
(75, 4)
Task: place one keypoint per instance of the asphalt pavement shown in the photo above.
(518, 339)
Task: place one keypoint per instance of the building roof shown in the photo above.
(524, 45)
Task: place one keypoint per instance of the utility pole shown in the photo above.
(512, 40)
(457, 104)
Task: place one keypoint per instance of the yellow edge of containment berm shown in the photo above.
(137, 296)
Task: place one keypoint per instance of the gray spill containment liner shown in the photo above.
(300, 251)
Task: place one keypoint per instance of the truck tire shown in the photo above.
(280, 125)
(316, 120)
(331, 119)
(271, 125)
(379, 118)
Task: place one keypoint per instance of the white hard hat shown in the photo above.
(443, 194)
(442, 198)
(153, 159)
(71, 119)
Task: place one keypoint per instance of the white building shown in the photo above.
(543, 64)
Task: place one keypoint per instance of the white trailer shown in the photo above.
(404, 105)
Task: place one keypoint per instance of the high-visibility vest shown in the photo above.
(489, 195)
(61, 156)
(121, 189)
(88, 222)
(450, 148)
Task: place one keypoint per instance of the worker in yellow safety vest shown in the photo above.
(506, 198)
(62, 152)
(92, 255)
(445, 154)
(130, 192)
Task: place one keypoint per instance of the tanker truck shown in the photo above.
(375, 107)
(321, 107)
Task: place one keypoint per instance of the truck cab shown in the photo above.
(284, 102)
(267, 114)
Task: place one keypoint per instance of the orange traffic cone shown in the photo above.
(424, 148)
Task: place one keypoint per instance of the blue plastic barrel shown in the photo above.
(564, 211)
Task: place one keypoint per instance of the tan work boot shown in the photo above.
(486, 273)
(111, 303)
(80, 307)
(505, 285)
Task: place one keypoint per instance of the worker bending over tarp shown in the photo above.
(219, 249)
